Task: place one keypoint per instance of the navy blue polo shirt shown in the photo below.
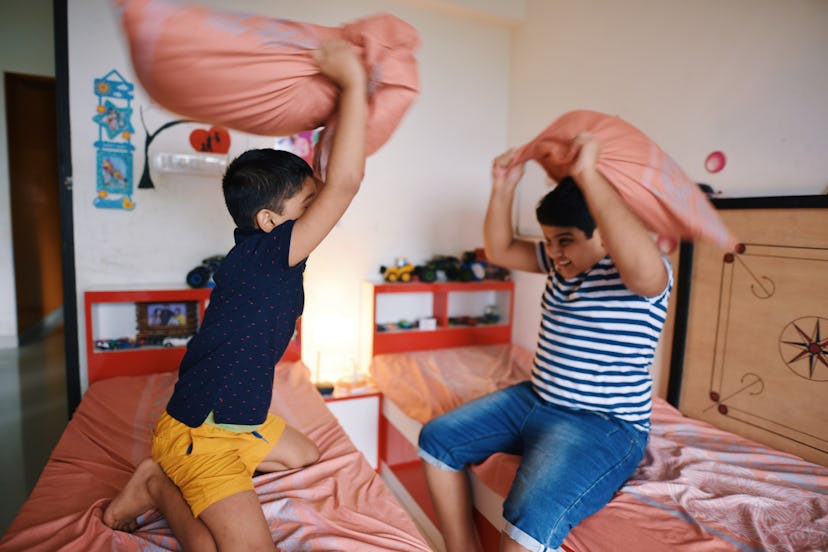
(229, 364)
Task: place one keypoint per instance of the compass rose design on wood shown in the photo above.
(756, 340)
(761, 288)
(803, 346)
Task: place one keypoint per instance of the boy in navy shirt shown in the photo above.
(216, 430)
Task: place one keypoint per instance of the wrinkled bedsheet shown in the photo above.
(697, 489)
(339, 503)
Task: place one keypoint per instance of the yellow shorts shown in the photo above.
(208, 463)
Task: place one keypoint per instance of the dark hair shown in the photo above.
(262, 179)
(565, 206)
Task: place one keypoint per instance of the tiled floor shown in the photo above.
(32, 416)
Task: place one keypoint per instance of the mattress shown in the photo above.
(339, 503)
(698, 488)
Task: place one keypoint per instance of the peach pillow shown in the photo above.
(648, 180)
(255, 74)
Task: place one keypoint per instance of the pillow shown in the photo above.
(653, 185)
(255, 74)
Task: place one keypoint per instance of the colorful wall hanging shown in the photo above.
(213, 140)
(301, 144)
(114, 147)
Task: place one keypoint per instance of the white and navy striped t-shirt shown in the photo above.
(597, 341)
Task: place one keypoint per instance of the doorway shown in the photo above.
(35, 203)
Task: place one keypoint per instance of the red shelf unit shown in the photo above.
(444, 335)
(143, 360)
(148, 360)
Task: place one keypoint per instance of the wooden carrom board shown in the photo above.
(754, 355)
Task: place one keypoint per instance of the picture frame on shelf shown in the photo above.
(157, 320)
(166, 314)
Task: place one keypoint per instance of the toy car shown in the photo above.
(401, 271)
(116, 344)
(176, 341)
(202, 275)
(104, 344)
(440, 267)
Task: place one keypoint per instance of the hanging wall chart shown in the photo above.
(114, 147)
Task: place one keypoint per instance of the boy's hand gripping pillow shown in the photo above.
(255, 74)
(648, 180)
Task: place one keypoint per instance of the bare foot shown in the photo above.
(134, 499)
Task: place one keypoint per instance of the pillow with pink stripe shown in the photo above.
(654, 187)
(255, 73)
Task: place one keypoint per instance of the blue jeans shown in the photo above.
(572, 461)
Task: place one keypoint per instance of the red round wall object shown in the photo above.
(715, 162)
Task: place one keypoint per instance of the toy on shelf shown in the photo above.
(122, 343)
(471, 267)
(399, 325)
(440, 267)
(401, 271)
(202, 275)
(118, 344)
(491, 315)
(491, 271)
(176, 341)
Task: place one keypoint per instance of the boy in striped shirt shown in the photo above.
(581, 424)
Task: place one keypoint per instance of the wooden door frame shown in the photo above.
(64, 148)
(32, 138)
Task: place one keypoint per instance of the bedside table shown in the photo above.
(359, 415)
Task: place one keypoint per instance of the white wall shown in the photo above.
(424, 193)
(747, 77)
(26, 46)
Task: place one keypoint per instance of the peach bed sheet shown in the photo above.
(340, 503)
(697, 489)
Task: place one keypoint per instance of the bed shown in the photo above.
(339, 503)
(736, 462)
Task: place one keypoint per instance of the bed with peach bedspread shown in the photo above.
(740, 465)
(698, 488)
(339, 503)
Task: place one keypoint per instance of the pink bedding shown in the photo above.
(340, 503)
(698, 488)
(425, 384)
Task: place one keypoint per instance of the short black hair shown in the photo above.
(565, 206)
(262, 179)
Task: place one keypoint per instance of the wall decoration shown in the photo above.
(114, 155)
(146, 179)
(715, 162)
(214, 140)
(114, 176)
(301, 144)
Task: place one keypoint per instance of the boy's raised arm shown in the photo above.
(627, 241)
(502, 247)
(346, 165)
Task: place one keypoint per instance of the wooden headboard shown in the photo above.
(750, 349)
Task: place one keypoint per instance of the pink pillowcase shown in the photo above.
(648, 180)
(255, 74)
